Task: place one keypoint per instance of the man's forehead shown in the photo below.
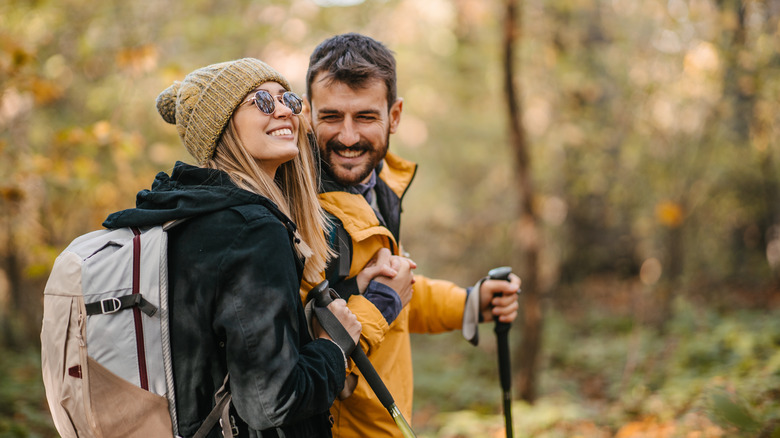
(327, 88)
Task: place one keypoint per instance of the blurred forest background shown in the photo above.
(649, 197)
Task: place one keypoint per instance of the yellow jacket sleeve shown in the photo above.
(436, 306)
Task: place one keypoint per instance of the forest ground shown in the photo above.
(607, 370)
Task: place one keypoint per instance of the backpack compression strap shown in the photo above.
(111, 305)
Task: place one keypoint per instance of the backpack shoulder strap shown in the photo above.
(340, 241)
(220, 412)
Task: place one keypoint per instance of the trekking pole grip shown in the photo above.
(501, 273)
(502, 329)
(322, 296)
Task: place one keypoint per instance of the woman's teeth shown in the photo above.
(278, 132)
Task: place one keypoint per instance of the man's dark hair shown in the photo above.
(354, 60)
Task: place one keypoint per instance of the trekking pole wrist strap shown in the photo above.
(335, 330)
(343, 354)
(472, 314)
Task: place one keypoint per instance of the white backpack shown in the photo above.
(106, 356)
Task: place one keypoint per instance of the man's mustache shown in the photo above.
(336, 145)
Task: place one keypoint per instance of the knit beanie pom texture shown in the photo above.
(201, 105)
(166, 103)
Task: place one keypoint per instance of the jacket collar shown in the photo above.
(395, 171)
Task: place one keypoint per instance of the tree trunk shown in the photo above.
(526, 234)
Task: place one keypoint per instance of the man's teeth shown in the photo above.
(350, 153)
(284, 131)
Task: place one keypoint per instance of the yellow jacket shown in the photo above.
(436, 306)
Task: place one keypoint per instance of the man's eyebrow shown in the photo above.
(330, 111)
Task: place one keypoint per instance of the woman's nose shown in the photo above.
(281, 110)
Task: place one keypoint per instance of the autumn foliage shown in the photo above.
(652, 133)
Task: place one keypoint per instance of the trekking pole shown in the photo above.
(323, 296)
(504, 369)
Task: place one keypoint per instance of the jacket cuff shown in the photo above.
(374, 324)
(385, 299)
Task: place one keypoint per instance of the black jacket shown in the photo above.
(235, 306)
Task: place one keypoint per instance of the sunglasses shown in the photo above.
(266, 103)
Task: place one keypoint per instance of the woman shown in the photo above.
(236, 262)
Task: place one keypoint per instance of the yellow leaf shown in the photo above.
(84, 167)
(669, 213)
(102, 131)
(137, 60)
(45, 91)
(41, 163)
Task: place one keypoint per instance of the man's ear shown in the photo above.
(395, 114)
(306, 112)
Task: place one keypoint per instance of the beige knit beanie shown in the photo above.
(201, 105)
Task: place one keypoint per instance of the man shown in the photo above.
(353, 108)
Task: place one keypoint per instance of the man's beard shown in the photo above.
(347, 176)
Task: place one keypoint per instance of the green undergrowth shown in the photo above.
(23, 409)
(711, 374)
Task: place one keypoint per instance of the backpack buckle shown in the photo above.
(233, 428)
(110, 305)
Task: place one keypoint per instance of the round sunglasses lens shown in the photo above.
(292, 101)
(265, 102)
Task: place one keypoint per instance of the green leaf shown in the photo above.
(732, 411)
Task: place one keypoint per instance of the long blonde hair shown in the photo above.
(293, 190)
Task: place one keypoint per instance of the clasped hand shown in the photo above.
(390, 270)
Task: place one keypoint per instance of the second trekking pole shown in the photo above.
(322, 297)
(504, 368)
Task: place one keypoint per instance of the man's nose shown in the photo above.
(348, 135)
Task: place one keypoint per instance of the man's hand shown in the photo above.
(392, 271)
(503, 306)
(402, 282)
(378, 265)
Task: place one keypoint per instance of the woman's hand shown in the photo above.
(402, 282)
(379, 265)
(345, 316)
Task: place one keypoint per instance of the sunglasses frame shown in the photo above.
(289, 99)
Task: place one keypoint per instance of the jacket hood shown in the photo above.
(189, 191)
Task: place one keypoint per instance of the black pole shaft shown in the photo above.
(504, 370)
(371, 376)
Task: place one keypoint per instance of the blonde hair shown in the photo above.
(293, 190)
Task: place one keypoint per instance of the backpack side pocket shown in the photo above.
(61, 343)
